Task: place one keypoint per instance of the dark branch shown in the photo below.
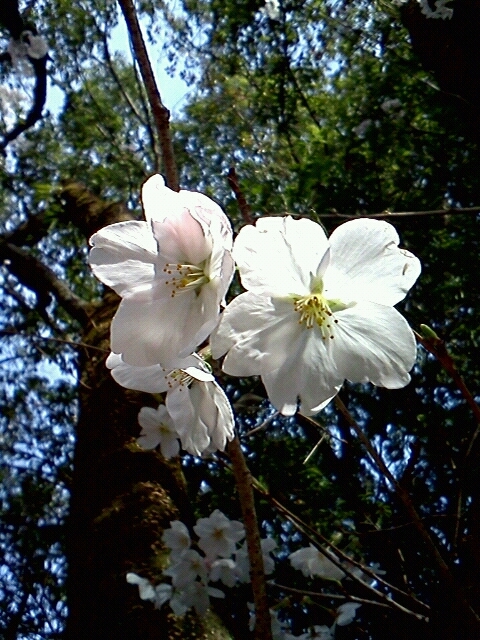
(160, 113)
(40, 279)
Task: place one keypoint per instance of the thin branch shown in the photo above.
(243, 205)
(243, 480)
(400, 214)
(335, 558)
(437, 347)
(160, 113)
(412, 512)
(39, 98)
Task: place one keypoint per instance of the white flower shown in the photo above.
(187, 568)
(171, 271)
(158, 429)
(361, 129)
(197, 595)
(243, 562)
(317, 311)
(346, 613)
(28, 45)
(146, 590)
(313, 563)
(200, 410)
(163, 593)
(177, 538)
(223, 569)
(218, 535)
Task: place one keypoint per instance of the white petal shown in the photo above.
(152, 331)
(158, 200)
(123, 255)
(374, 343)
(263, 337)
(148, 379)
(191, 429)
(366, 264)
(278, 256)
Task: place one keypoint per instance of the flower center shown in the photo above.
(315, 310)
(184, 277)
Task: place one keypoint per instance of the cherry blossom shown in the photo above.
(200, 410)
(177, 537)
(218, 535)
(318, 311)
(172, 272)
(158, 429)
(313, 563)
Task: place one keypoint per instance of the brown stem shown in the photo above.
(243, 205)
(437, 347)
(338, 555)
(161, 114)
(412, 512)
(243, 480)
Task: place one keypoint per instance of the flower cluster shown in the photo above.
(316, 311)
(222, 560)
(440, 11)
(172, 272)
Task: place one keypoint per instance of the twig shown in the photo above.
(243, 480)
(437, 347)
(243, 205)
(335, 558)
(399, 214)
(444, 569)
(160, 113)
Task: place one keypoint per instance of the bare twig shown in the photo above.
(243, 480)
(243, 205)
(401, 214)
(160, 113)
(437, 347)
(404, 497)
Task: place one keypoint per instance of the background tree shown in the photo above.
(326, 110)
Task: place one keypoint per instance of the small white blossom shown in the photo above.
(177, 538)
(223, 569)
(200, 410)
(318, 311)
(158, 429)
(318, 632)
(188, 567)
(390, 105)
(146, 590)
(218, 535)
(163, 593)
(243, 562)
(346, 613)
(172, 273)
(313, 563)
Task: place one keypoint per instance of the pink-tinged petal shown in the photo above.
(181, 240)
(366, 264)
(123, 256)
(278, 256)
(210, 216)
(374, 343)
